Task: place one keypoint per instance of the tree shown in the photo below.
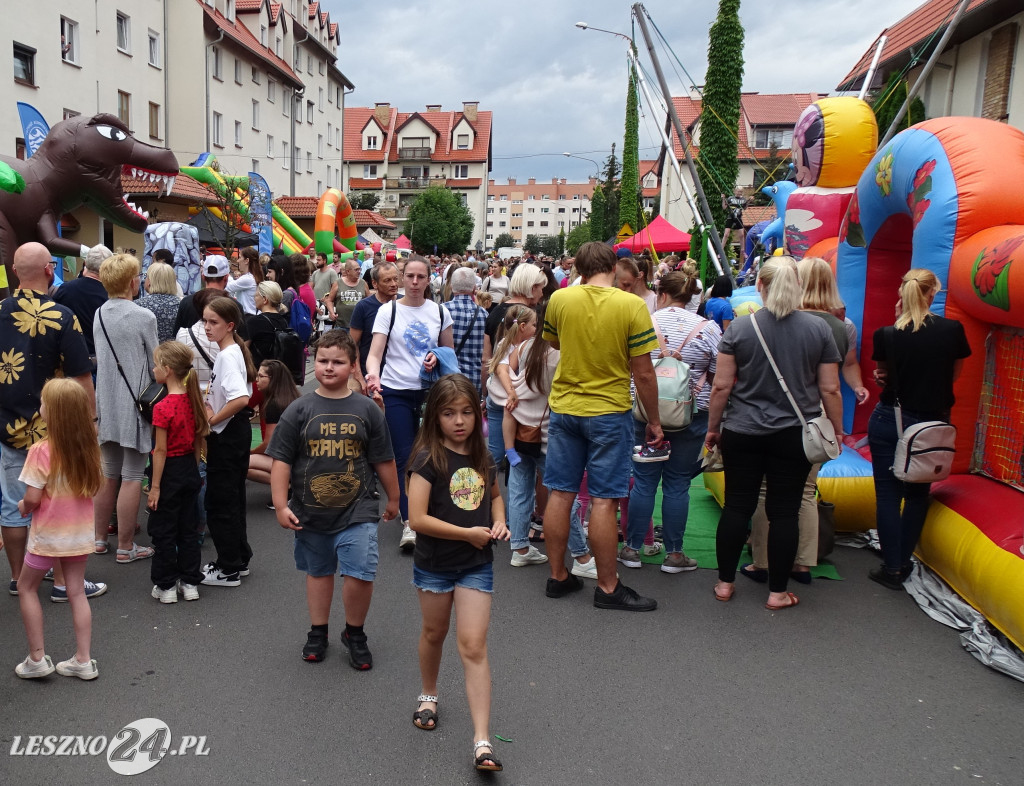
(887, 103)
(720, 109)
(504, 240)
(561, 241)
(597, 214)
(532, 244)
(438, 219)
(611, 197)
(579, 235)
(629, 201)
(365, 200)
(549, 246)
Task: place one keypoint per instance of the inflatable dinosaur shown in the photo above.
(80, 162)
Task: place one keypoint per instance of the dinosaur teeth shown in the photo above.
(124, 197)
(170, 184)
(145, 214)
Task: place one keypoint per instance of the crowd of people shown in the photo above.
(479, 401)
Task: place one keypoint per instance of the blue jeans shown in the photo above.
(402, 413)
(522, 480)
(495, 443)
(675, 475)
(897, 532)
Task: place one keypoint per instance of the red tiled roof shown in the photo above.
(324, 16)
(334, 29)
(908, 33)
(361, 182)
(241, 35)
(298, 207)
(758, 213)
(443, 123)
(313, 8)
(371, 218)
(275, 12)
(647, 167)
(185, 188)
(241, 6)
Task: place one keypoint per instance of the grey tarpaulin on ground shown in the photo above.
(979, 638)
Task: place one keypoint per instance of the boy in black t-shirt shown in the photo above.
(333, 447)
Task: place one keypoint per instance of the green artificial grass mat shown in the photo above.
(699, 538)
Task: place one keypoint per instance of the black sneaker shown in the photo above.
(623, 599)
(316, 646)
(558, 589)
(358, 653)
(893, 581)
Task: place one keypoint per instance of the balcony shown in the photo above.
(414, 153)
(395, 212)
(408, 182)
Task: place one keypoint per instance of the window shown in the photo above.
(561, 197)
(320, 105)
(490, 237)
(254, 166)
(270, 145)
(271, 90)
(319, 146)
(369, 170)
(766, 137)
(218, 64)
(255, 115)
(309, 161)
(321, 65)
(277, 46)
(330, 134)
(530, 197)
(238, 71)
(297, 162)
(218, 129)
(124, 107)
(286, 101)
(543, 223)
(154, 120)
(502, 223)
(545, 196)
(337, 137)
(255, 75)
(490, 223)
(229, 10)
(320, 183)
(490, 197)
(530, 210)
(309, 111)
(516, 213)
(124, 33)
(517, 201)
(154, 53)
(462, 142)
(69, 113)
(561, 210)
(545, 210)
(502, 209)
(461, 171)
(309, 64)
(504, 197)
(263, 35)
(238, 133)
(284, 155)
(68, 40)
(339, 96)
(24, 64)
(529, 223)
(371, 142)
(298, 59)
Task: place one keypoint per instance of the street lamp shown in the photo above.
(585, 26)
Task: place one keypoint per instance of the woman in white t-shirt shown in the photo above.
(246, 275)
(404, 333)
(227, 446)
(496, 282)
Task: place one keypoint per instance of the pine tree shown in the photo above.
(611, 225)
(629, 201)
(720, 110)
(597, 214)
(888, 102)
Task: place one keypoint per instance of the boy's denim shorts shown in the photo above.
(478, 578)
(351, 552)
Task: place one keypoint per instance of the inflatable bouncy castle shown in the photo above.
(945, 195)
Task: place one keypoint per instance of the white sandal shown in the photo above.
(124, 556)
(480, 759)
(420, 717)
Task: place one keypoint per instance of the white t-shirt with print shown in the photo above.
(227, 382)
(243, 289)
(414, 334)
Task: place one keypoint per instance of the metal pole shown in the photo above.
(912, 93)
(667, 141)
(712, 231)
(871, 69)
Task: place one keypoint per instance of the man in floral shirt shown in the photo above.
(39, 339)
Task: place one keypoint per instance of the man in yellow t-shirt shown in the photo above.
(605, 335)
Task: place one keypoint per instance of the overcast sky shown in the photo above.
(554, 88)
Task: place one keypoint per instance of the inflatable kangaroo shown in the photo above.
(80, 162)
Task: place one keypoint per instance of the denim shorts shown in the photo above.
(12, 461)
(478, 578)
(351, 552)
(602, 445)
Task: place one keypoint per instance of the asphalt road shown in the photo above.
(856, 686)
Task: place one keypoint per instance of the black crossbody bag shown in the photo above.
(153, 393)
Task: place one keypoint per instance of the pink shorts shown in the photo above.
(40, 562)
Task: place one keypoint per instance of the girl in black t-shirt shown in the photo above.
(457, 512)
(278, 390)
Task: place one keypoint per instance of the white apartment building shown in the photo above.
(190, 75)
(398, 155)
(532, 208)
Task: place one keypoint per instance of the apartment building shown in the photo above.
(398, 155)
(222, 76)
(765, 137)
(531, 208)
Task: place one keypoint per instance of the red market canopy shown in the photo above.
(659, 233)
(403, 242)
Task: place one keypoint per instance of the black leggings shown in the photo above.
(778, 458)
(227, 464)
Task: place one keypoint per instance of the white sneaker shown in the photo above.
(72, 668)
(532, 557)
(189, 591)
(585, 570)
(30, 669)
(213, 576)
(652, 549)
(408, 541)
(165, 596)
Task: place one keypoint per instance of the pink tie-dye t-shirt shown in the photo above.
(62, 525)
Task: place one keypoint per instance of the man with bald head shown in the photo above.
(39, 339)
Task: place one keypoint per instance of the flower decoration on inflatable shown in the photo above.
(990, 275)
(883, 173)
(851, 231)
(916, 200)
